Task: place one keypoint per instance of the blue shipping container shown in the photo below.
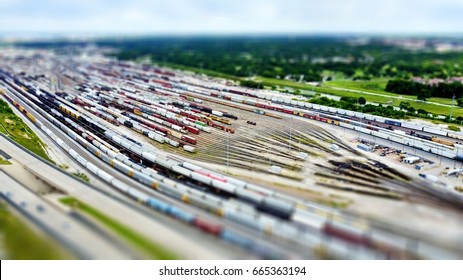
(364, 147)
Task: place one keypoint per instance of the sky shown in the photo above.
(139, 17)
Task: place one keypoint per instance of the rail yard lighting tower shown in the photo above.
(451, 108)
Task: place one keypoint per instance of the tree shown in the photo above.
(422, 112)
(422, 96)
(251, 84)
(411, 110)
(404, 105)
(460, 102)
(362, 100)
(350, 100)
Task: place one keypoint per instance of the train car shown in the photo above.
(435, 131)
(192, 129)
(456, 135)
(391, 122)
(230, 116)
(442, 141)
(370, 127)
(347, 233)
(369, 117)
(276, 207)
(217, 113)
(346, 125)
(380, 134)
(422, 136)
(412, 126)
(225, 121)
(69, 111)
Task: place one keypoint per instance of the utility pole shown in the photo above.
(290, 133)
(269, 159)
(228, 150)
(455, 160)
(440, 158)
(451, 108)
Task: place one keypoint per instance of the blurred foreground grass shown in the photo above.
(20, 242)
(154, 251)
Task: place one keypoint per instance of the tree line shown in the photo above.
(359, 105)
(296, 58)
(424, 91)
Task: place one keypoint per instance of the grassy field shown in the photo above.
(378, 86)
(154, 251)
(375, 86)
(23, 243)
(395, 98)
(13, 126)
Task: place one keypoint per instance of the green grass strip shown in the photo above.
(154, 251)
(20, 242)
(16, 129)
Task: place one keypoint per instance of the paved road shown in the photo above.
(177, 241)
(84, 242)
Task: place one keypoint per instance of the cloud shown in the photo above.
(225, 17)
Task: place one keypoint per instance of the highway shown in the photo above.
(59, 225)
(183, 245)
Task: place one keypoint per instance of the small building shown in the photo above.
(411, 160)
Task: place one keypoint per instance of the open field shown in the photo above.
(375, 86)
